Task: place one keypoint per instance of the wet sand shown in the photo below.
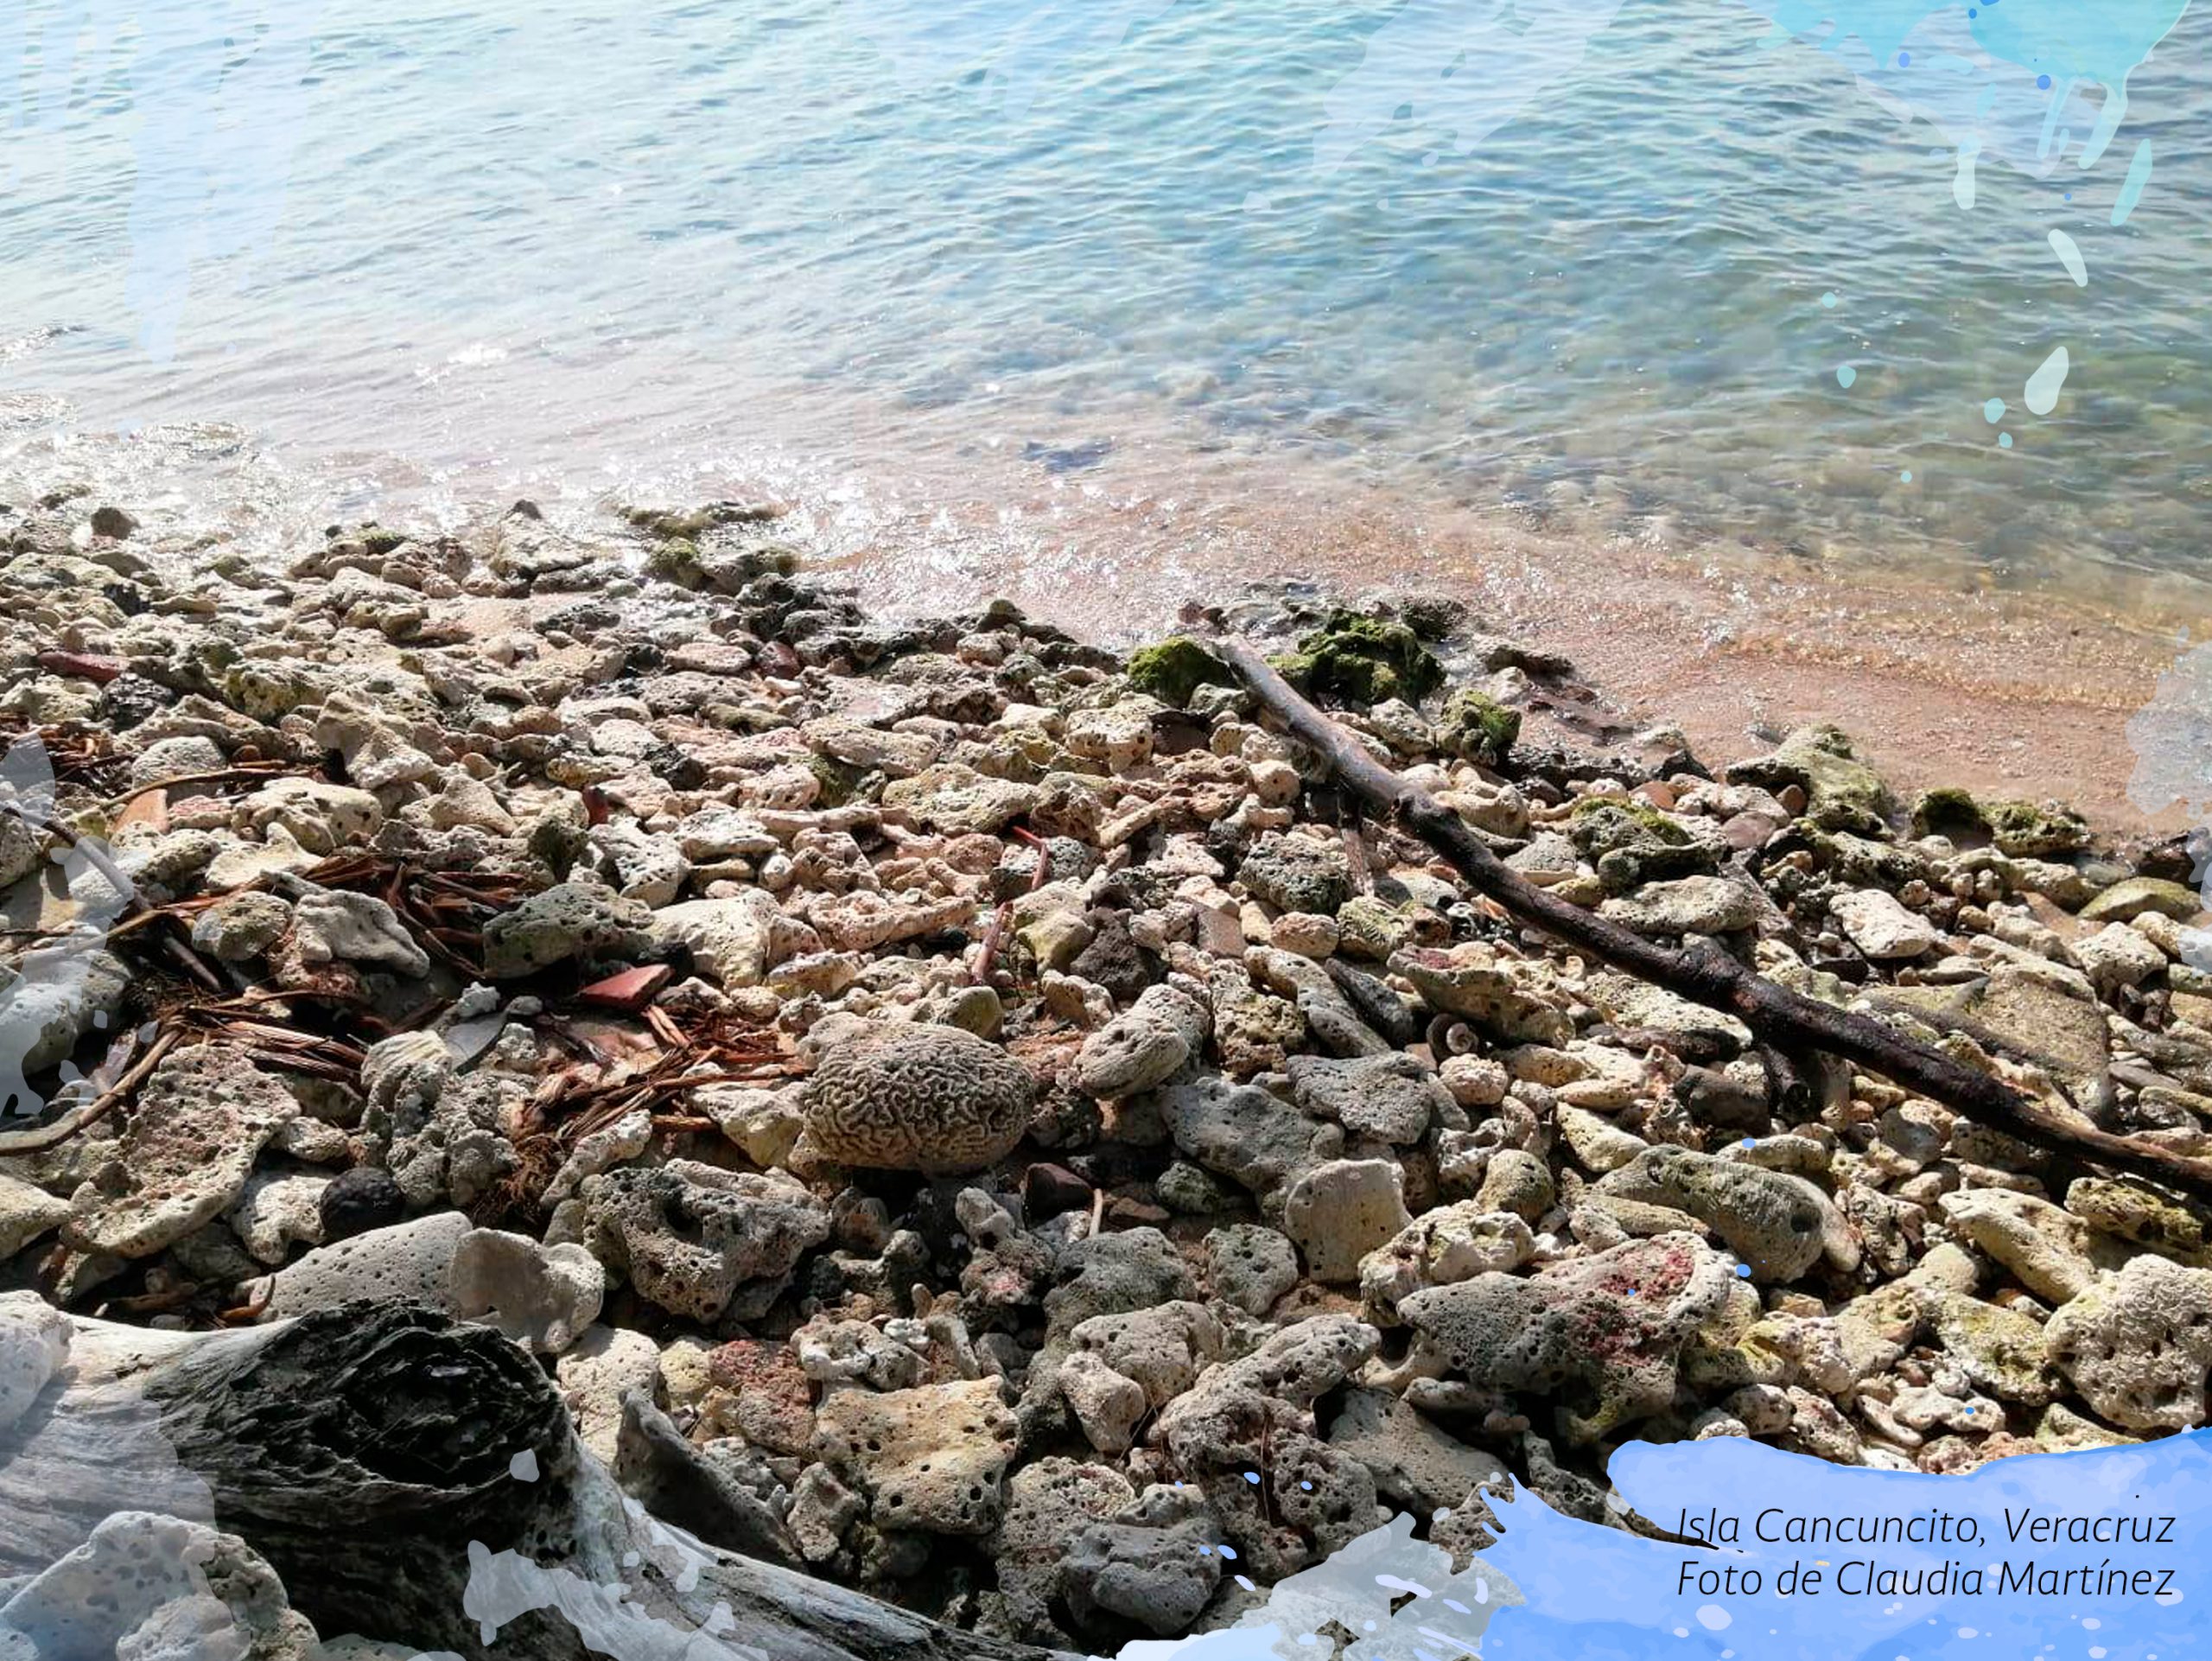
(1943, 680)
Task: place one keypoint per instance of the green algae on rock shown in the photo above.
(1366, 658)
(1842, 792)
(2037, 830)
(1478, 727)
(1171, 670)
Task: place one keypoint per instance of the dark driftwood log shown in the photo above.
(1777, 1017)
(368, 1453)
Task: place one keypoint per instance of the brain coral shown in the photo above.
(901, 1097)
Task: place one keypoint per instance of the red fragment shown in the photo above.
(82, 665)
(631, 990)
(148, 807)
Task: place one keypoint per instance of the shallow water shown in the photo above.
(1613, 268)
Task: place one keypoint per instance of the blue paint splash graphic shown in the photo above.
(2017, 1560)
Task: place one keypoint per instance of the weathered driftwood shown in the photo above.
(1776, 1016)
(372, 1454)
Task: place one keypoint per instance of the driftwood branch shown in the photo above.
(53, 1134)
(417, 1481)
(1778, 1018)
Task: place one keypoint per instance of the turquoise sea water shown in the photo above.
(1778, 282)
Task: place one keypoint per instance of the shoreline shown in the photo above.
(1946, 681)
(1951, 677)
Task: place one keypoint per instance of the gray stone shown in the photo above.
(1106, 1274)
(1161, 1348)
(2000, 1350)
(1243, 1132)
(697, 1239)
(1048, 1502)
(48, 1001)
(2035, 1017)
(566, 922)
(1416, 1464)
(822, 1508)
(649, 869)
(1391, 1097)
(1517, 1181)
(1158, 1577)
(1251, 1267)
(1340, 1211)
(1163, 1032)
(184, 1156)
(1451, 1243)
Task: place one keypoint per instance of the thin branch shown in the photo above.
(53, 1135)
(1707, 975)
(101, 861)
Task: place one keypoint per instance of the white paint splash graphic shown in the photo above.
(2070, 256)
(65, 985)
(2040, 394)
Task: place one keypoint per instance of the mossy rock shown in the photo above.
(1477, 727)
(694, 522)
(1595, 822)
(378, 541)
(1174, 669)
(661, 522)
(2037, 830)
(842, 783)
(1366, 659)
(677, 560)
(1842, 792)
(1948, 811)
(1632, 843)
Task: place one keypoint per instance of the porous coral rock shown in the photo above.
(932, 1459)
(1603, 1334)
(2138, 1344)
(185, 1156)
(1154, 1038)
(697, 1239)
